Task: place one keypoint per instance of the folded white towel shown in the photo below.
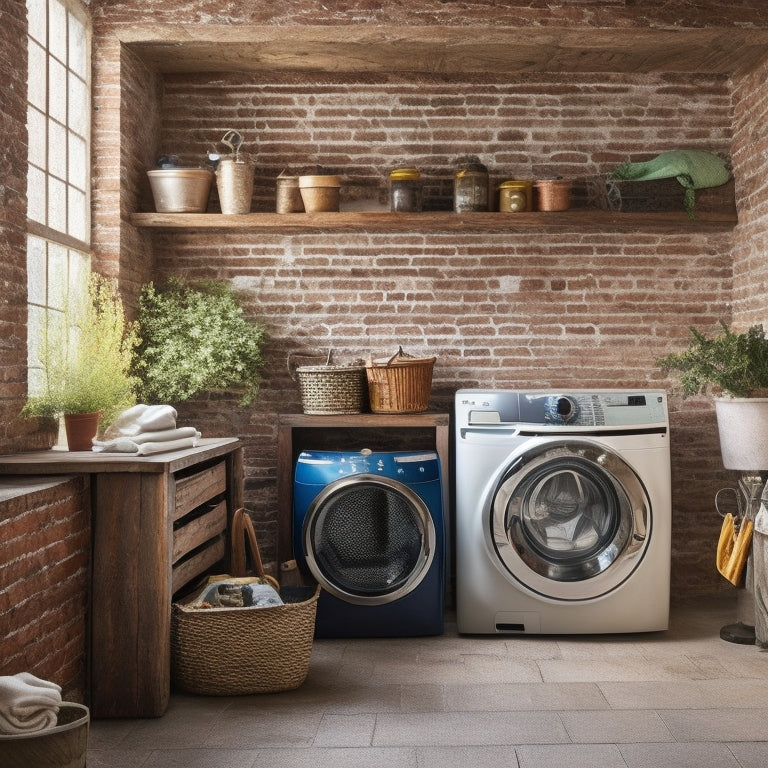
(142, 418)
(131, 442)
(138, 447)
(27, 703)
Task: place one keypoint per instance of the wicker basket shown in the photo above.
(237, 651)
(401, 384)
(330, 389)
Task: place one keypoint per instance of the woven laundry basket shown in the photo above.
(238, 651)
(330, 389)
(401, 384)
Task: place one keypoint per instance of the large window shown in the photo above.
(58, 179)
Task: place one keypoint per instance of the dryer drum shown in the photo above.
(368, 539)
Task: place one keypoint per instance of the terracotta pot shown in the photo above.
(320, 193)
(81, 428)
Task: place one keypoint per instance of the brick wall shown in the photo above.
(504, 310)
(44, 580)
(750, 154)
(15, 434)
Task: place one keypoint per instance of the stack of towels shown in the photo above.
(27, 703)
(146, 429)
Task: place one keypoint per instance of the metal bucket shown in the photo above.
(181, 190)
(234, 181)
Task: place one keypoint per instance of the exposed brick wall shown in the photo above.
(511, 310)
(45, 545)
(750, 157)
(15, 434)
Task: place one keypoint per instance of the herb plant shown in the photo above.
(734, 364)
(86, 357)
(195, 338)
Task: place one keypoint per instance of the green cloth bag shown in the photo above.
(694, 169)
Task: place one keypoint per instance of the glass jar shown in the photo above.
(405, 190)
(470, 187)
(516, 196)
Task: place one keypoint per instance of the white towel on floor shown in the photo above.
(142, 418)
(27, 703)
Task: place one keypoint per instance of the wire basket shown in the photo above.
(330, 389)
(401, 384)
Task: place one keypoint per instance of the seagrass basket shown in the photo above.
(401, 384)
(239, 651)
(330, 389)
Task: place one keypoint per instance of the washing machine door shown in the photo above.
(569, 520)
(368, 540)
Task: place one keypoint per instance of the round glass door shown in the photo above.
(569, 520)
(368, 539)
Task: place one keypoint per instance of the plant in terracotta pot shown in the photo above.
(86, 359)
(733, 366)
(195, 338)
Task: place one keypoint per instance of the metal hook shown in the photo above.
(738, 505)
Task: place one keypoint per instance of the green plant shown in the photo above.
(86, 356)
(195, 338)
(731, 363)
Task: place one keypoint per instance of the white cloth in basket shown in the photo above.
(27, 703)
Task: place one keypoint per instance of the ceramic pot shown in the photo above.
(320, 193)
(742, 423)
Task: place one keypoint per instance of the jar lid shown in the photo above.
(405, 174)
(515, 184)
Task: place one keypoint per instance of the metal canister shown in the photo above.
(288, 195)
(515, 196)
(405, 190)
(470, 187)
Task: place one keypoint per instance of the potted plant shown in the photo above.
(86, 359)
(195, 338)
(734, 367)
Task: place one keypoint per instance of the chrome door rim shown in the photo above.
(603, 569)
(416, 504)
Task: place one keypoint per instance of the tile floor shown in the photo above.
(679, 699)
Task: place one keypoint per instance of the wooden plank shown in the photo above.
(53, 462)
(198, 564)
(197, 531)
(573, 220)
(116, 599)
(445, 50)
(196, 489)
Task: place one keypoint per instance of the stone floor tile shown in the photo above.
(345, 731)
(717, 724)
(615, 727)
(469, 729)
(570, 755)
(685, 755)
(523, 696)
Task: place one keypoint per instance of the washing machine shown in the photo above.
(369, 527)
(563, 511)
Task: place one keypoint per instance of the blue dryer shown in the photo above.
(369, 527)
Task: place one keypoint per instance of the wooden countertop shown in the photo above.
(55, 462)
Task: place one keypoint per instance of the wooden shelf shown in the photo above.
(445, 50)
(574, 220)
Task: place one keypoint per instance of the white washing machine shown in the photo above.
(563, 511)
